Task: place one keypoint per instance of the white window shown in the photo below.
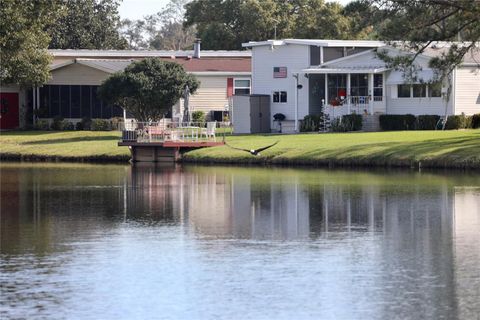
(280, 96)
(404, 91)
(435, 90)
(419, 90)
(241, 86)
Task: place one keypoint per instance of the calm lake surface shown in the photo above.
(120, 242)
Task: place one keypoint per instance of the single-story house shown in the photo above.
(303, 77)
(76, 75)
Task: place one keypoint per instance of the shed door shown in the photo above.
(8, 110)
(265, 110)
(255, 120)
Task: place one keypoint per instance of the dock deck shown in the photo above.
(165, 142)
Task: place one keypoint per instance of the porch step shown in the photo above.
(371, 123)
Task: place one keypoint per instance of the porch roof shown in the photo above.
(344, 70)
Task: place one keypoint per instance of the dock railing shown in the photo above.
(165, 130)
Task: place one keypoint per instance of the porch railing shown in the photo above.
(166, 130)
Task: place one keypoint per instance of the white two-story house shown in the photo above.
(304, 77)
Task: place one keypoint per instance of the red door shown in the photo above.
(8, 110)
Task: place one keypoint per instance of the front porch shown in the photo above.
(342, 91)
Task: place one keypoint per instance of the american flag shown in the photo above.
(279, 72)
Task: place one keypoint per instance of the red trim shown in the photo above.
(229, 87)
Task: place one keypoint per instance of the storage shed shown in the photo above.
(251, 113)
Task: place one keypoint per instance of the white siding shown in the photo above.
(295, 58)
(77, 74)
(415, 106)
(467, 90)
(211, 95)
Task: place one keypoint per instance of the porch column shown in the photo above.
(370, 93)
(348, 93)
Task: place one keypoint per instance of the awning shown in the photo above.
(343, 70)
(396, 77)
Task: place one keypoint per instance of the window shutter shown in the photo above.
(229, 87)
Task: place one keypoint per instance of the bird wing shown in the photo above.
(265, 148)
(237, 148)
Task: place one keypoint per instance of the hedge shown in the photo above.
(397, 122)
(427, 122)
(392, 122)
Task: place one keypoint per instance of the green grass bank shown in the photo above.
(88, 146)
(435, 149)
(439, 149)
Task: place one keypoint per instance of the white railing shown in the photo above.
(166, 130)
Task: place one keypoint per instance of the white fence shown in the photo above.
(165, 130)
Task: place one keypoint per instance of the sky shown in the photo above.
(136, 9)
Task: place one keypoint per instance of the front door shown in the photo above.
(8, 110)
(316, 93)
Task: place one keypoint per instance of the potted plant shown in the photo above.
(279, 117)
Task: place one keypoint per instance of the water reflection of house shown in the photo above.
(243, 206)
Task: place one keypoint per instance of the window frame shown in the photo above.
(409, 91)
(240, 87)
(279, 94)
(422, 86)
(375, 88)
(430, 90)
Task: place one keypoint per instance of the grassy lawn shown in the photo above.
(63, 145)
(400, 148)
(404, 148)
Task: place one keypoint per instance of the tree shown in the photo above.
(166, 28)
(226, 24)
(24, 59)
(419, 24)
(87, 24)
(133, 32)
(148, 88)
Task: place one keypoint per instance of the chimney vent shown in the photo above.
(196, 48)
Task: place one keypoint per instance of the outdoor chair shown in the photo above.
(209, 131)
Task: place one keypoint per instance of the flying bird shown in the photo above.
(253, 152)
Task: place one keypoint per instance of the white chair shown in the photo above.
(209, 131)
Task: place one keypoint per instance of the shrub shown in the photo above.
(59, 124)
(311, 123)
(84, 124)
(456, 122)
(395, 122)
(42, 124)
(100, 125)
(348, 122)
(198, 117)
(352, 122)
(117, 123)
(69, 126)
(475, 121)
(427, 122)
(279, 117)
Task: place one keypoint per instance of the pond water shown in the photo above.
(145, 242)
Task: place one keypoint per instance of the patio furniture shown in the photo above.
(209, 131)
(158, 132)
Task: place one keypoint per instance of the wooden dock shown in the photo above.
(166, 151)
